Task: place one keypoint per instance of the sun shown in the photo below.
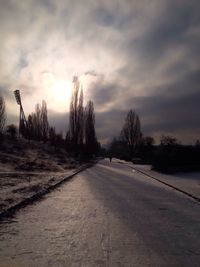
(58, 93)
(62, 90)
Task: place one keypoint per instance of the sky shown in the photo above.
(142, 55)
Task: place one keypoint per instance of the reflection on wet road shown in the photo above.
(105, 216)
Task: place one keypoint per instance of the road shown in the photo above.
(108, 215)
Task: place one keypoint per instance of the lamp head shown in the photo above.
(17, 96)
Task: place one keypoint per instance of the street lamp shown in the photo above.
(17, 96)
(22, 118)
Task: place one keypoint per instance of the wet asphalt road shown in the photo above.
(107, 215)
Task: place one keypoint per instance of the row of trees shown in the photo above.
(37, 127)
(81, 135)
(131, 141)
(169, 156)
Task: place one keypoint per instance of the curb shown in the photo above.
(167, 184)
(28, 201)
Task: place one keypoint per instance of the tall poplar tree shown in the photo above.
(76, 115)
(90, 134)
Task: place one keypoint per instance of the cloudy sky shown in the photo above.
(130, 54)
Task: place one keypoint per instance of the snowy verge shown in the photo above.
(187, 182)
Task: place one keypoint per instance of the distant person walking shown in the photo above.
(110, 157)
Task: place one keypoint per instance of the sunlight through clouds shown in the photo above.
(57, 92)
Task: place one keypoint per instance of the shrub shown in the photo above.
(11, 130)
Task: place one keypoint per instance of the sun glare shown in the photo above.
(62, 90)
(61, 94)
(58, 93)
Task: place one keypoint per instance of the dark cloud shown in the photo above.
(158, 114)
(186, 85)
(167, 29)
(103, 94)
(23, 62)
(49, 5)
(109, 124)
(173, 115)
(103, 16)
(91, 73)
(178, 86)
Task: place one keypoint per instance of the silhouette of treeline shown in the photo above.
(37, 125)
(80, 140)
(169, 156)
(81, 136)
(127, 144)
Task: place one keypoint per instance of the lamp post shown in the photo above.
(22, 118)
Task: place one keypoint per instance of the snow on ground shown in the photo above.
(187, 181)
(27, 167)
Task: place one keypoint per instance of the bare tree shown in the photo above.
(76, 115)
(30, 128)
(37, 124)
(197, 143)
(148, 141)
(12, 130)
(52, 135)
(167, 140)
(34, 119)
(131, 131)
(2, 114)
(80, 122)
(44, 122)
(90, 134)
(34, 124)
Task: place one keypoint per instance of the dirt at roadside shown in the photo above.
(17, 186)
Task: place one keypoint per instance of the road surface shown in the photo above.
(107, 215)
